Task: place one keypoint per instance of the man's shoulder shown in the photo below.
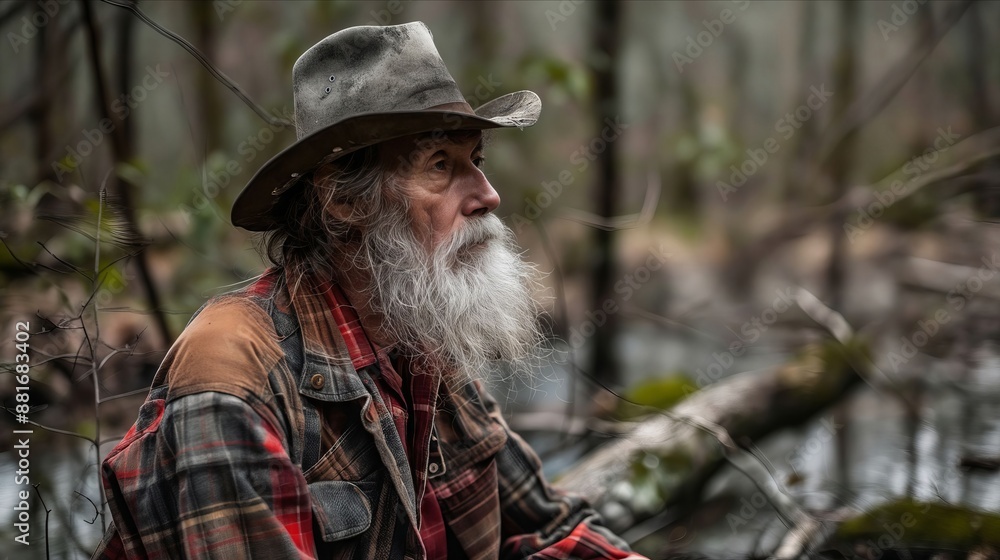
(229, 346)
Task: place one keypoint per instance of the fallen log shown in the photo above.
(655, 465)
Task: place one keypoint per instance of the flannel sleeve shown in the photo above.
(211, 479)
(540, 522)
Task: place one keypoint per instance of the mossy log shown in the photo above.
(915, 525)
(658, 462)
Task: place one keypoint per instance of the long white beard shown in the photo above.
(465, 306)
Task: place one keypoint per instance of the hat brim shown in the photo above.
(254, 207)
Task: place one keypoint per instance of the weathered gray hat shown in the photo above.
(362, 86)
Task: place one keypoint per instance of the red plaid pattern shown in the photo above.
(212, 467)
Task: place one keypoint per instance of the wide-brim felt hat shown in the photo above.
(362, 86)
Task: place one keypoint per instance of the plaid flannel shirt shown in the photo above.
(213, 466)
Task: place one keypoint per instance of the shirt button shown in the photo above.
(317, 381)
(433, 467)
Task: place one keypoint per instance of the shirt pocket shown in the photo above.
(352, 456)
(341, 509)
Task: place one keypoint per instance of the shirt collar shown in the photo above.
(334, 344)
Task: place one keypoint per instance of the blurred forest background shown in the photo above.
(769, 231)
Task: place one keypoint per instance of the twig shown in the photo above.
(668, 322)
(942, 277)
(803, 220)
(63, 432)
(833, 321)
(47, 512)
(809, 533)
(29, 268)
(97, 511)
(95, 367)
(72, 266)
(629, 221)
(124, 395)
(226, 81)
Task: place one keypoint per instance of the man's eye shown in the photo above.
(479, 161)
(440, 165)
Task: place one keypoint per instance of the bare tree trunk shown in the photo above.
(841, 161)
(838, 168)
(121, 151)
(607, 36)
(987, 194)
(210, 109)
(40, 113)
(805, 138)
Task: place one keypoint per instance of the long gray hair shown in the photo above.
(309, 234)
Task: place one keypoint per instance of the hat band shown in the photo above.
(456, 106)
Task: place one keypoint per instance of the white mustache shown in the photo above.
(481, 230)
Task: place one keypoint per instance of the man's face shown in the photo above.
(443, 181)
(443, 272)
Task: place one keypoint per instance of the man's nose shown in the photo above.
(483, 198)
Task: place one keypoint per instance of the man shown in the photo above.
(333, 409)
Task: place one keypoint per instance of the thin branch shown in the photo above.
(838, 326)
(817, 311)
(47, 512)
(60, 357)
(225, 80)
(97, 511)
(668, 322)
(29, 268)
(629, 221)
(112, 438)
(864, 109)
(63, 432)
(72, 266)
(942, 277)
(142, 391)
(804, 220)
